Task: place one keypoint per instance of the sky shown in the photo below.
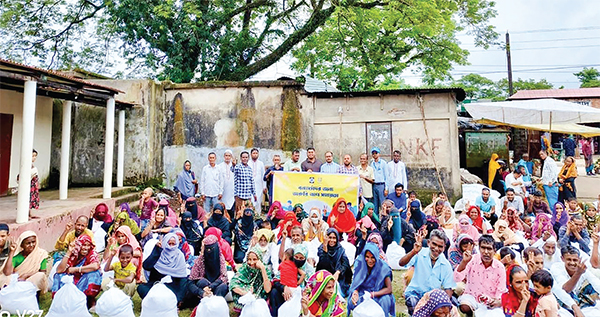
(550, 39)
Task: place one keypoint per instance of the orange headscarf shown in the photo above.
(492, 169)
(344, 222)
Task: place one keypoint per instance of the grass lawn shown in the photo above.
(397, 285)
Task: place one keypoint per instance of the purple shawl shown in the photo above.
(132, 215)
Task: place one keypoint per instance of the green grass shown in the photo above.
(397, 285)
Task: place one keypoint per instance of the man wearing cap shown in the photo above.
(4, 243)
(227, 179)
(380, 169)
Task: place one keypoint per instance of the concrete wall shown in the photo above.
(11, 102)
(408, 133)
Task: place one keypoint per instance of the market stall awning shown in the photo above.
(541, 114)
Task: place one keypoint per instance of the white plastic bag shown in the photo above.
(99, 239)
(160, 301)
(350, 251)
(114, 303)
(229, 297)
(69, 301)
(292, 307)
(51, 275)
(18, 297)
(253, 307)
(393, 254)
(213, 306)
(368, 308)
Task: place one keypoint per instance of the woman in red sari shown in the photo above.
(342, 220)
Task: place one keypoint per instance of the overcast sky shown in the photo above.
(561, 35)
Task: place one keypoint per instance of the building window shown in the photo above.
(380, 135)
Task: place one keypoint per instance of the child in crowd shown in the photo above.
(573, 207)
(147, 204)
(290, 274)
(591, 216)
(124, 270)
(542, 284)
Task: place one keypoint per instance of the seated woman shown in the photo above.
(375, 237)
(342, 220)
(28, 260)
(503, 235)
(314, 226)
(170, 214)
(184, 247)
(482, 225)
(300, 213)
(263, 239)
(166, 259)
(323, 299)
(123, 219)
(284, 228)
(253, 277)
(83, 263)
(541, 224)
(518, 301)
(224, 246)
(219, 219)
(280, 293)
(192, 231)
(332, 258)
(513, 218)
(435, 303)
(417, 218)
(365, 226)
(463, 243)
(132, 215)
(369, 210)
(100, 218)
(275, 214)
(158, 224)
(209, 273)
(464, 226)
(372, 275)
(448, 218)
(122, 237)
(244, 229)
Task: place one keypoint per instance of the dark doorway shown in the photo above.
(6, 126)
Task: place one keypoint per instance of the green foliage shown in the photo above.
(356, 43)
(589, 77)
(480, 87)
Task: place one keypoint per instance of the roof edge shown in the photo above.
(234, 84)
(459, 92)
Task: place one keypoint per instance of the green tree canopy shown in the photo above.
(480, 87)
(352, 42)
(589, 77)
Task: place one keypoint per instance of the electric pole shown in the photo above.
(509, 64)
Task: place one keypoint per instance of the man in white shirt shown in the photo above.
(258, 171)
(550, 178)
(397, 171)
(227, 180)
(211, 183)
(570, 277)
(510, 200)
(515, 181)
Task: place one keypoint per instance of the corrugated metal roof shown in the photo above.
(314, 85)
(556, 93)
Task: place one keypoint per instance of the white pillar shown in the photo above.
(121, 148)
(29, 98)
(65, 150)
(109, 144)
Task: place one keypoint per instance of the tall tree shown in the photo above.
(185, 40)
(481, 87)
(589, 77)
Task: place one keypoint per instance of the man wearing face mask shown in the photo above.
(430, 265)
(314, 226)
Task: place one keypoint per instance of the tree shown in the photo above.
(185, 40)
(480, 87)
(589, 77)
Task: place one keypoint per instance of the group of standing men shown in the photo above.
(235, 183)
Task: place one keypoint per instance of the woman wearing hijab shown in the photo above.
(224, 246)
(132, 215)
(566, 179)
(464, 226)
(286, 224)
(275, 214)
(184, 247)
(252, 277)
(191, 206)
(369, 210)
(158, 225)
(417, 218)
(244, 230)
(435, 303)
(372, 275)
(123, 219)
(163, 204)
(494, 177)
(376, 238)
(192, 231)
(100, 218)
(541, 224)
(560, 216)
(186, 184)
(518, 301)
(28, 260)
(342, 220)
(209, 271)
(477, 220)
(166, 259)
(300, 213)
(463, 243)
(83, 263)
(314, 226)
(324, 299)
(220, 221)
(124, 236)
(514, 221)
(503, 234)
(332, 258)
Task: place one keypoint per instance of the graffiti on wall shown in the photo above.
(418, 146)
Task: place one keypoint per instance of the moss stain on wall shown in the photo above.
(246, 111)
(178, 125)
(291, 120)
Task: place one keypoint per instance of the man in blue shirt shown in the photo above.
(329, 166)
(380, 169)
(487, 205)
(398, 197)
(432, 269)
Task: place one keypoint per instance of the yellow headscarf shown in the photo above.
(492, 168)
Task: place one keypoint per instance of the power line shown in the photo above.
(534, 48)
(545, 40)
(557, 30)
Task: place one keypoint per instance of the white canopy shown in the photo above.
(539, 114)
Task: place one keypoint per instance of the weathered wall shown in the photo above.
(11, 102)
(408, 133)
(143, 151)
